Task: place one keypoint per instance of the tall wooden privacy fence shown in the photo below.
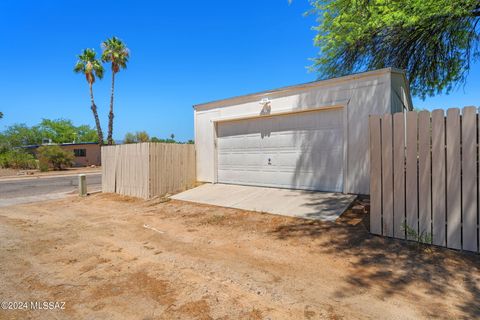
(146, 170)
(424, 177)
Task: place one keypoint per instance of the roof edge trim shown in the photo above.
(312, 84)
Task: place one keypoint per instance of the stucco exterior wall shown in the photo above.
(360, 95)
(93, 154)
(400, 93)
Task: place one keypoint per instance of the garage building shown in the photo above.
(311, 136)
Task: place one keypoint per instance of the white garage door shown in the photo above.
(297, 151)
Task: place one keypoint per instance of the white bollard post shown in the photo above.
(82, 185)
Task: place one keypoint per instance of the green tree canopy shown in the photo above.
(137, 137)
(129, 138)
(59, 131)
(167, 140)
(21, 135)
(435, 41)
(142, 136)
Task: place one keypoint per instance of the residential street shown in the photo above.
(25, 190)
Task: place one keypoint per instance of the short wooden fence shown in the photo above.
(424, 177)
(147, 170)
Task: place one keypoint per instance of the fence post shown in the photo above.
(411, 172)
(438, 178)
(82, 185)
(454, 213)
(469, 178)
(375, 175)
(399, 175)
(424, 176)
(387, 176)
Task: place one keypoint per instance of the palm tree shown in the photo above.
(1, 115)
(91, 67)
(117, 53)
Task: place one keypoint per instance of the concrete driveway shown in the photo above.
(313, 205)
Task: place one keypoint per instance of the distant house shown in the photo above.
(86, 153)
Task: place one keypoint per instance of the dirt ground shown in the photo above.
(6, 172)
(111, 257)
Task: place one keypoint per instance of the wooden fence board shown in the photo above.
(387, 176)
(425, 169)
(132, 170)
(148, 169)
(399, 175)
(171, 167)
(411, 172)
(453, 179)
(108, 176)
(438, 178)
(469, 179)
(424, 175)
(376, 175)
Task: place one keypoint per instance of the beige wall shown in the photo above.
(148, 169)
(400, 94)
(360, 95)
(93, 156)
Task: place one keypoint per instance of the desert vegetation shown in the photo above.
(16, 140)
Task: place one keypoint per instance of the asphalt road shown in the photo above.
(36, 189)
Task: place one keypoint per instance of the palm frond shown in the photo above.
(98, 69)
(89, 65)
(79, 67)
(116, 52)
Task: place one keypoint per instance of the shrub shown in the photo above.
(412, 234)
(43, 166)
(55, 157)
(17, 159)
(137, 137)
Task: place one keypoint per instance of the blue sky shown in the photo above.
(182, 53)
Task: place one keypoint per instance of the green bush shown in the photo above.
(43, 166)
(412, 234)
(17, 159)
(55, 157)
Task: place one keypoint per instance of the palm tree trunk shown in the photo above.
(110, 115)
(95, 115)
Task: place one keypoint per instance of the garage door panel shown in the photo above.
(270, 125)
(303, 151)
(281, 162)
(292, 139)
(305, 156)
(241, 159)
(281, 140)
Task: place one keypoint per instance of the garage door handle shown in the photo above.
(269, 161)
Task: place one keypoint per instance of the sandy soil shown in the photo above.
(6, 172)
(111, 257)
